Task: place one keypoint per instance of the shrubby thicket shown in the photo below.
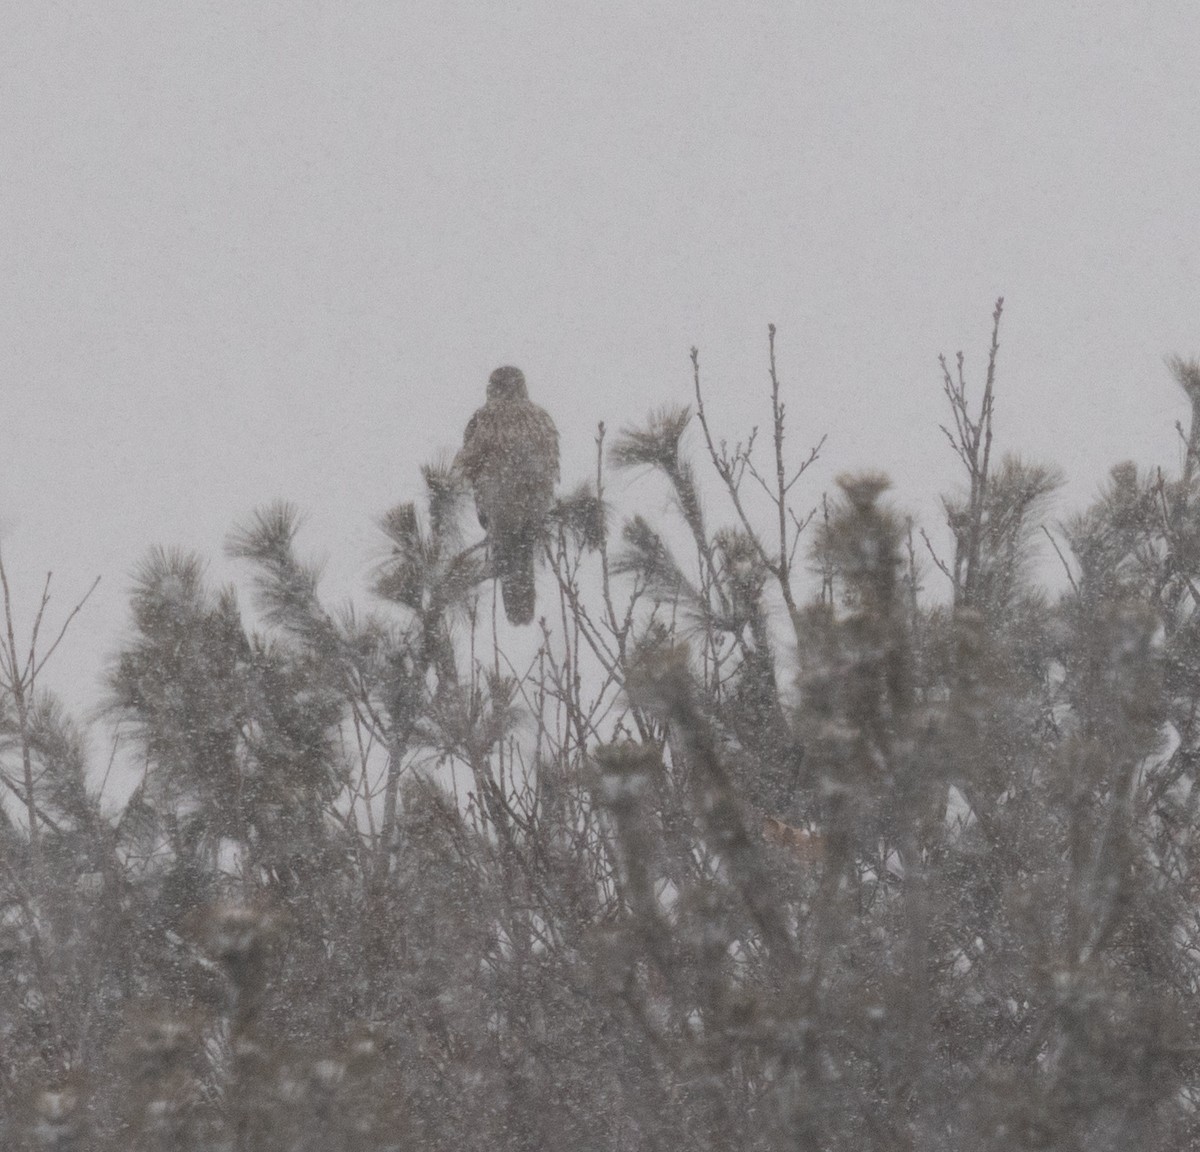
(767, 844)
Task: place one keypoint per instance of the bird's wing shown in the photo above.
(473, 454)
(543, 440)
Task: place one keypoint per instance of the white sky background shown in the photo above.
(272, 250)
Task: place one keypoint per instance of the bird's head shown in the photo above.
(507, 383)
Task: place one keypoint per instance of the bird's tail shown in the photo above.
(514, 566)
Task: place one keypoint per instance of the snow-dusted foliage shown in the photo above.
(751, 843)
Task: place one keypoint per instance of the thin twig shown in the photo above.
(63, 630)
(935, 558)
(1062, 559)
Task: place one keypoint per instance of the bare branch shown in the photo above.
(935, 558)
(1062, 559)
(63, 630)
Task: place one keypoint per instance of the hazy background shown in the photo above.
(261, 250)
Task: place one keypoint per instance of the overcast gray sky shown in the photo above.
(261, 250)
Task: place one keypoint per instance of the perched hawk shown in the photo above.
(510, 456)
